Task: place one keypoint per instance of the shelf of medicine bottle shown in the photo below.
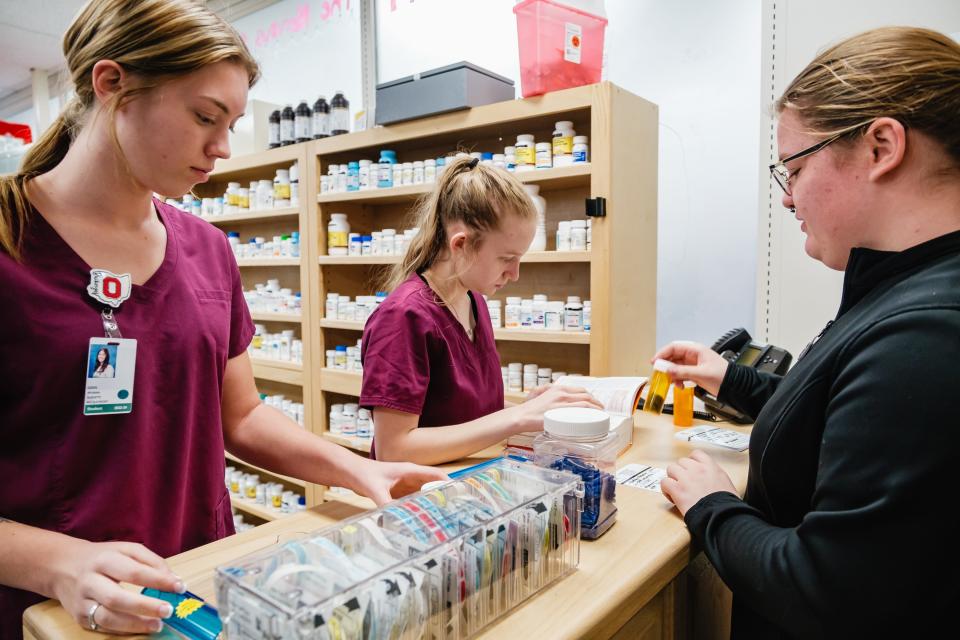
(340, 381)
(261, 159)
(517, 335)
(277, 371)
(256, 510)
(268, 262)
(260, 470)
(556, 178)
(533, 256)
(357, 444)
(260, 316)
(254, 216)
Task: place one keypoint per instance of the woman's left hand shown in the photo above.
(690, 479)
(384, 481)
(536, 391)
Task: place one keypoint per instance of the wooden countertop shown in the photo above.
(618, 574)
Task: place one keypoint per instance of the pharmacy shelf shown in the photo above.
(256, 161)
(350, 325)
(286, 479)
(268, 262)
(257, 510)
(277, 371)
(339, 381)
(533, 256)
(557, 178)
(531, 335)
(518, 335)
(260, 316)
(254, 216)
(357, 444)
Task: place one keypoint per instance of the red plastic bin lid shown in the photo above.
(17, 130)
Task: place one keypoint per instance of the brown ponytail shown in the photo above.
(155, 39)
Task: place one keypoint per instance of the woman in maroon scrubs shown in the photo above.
(88, 501)
(429, 356)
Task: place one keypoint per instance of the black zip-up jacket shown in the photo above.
(848, 527)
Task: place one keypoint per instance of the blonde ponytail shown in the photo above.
(474, 194)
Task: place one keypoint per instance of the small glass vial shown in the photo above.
(578, 440)
(683, 404)
(657, 387)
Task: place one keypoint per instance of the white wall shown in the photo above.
(306, 48)
(797, 295)
(700, 62)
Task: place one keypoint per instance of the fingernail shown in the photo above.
(156, 626)
(166, 610)
(179, 587)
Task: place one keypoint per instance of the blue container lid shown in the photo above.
(486, 155)
(341, 348)
(353, 165)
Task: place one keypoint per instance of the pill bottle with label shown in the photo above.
(657, 387)
(303, 122)
(683, 403)
(544, 155)
(525, 153)
(580, 150)
(321, 118)
(338, 230)
(563, 143)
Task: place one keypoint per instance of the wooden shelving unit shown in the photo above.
(272, 376)
(619, 272)
(282, 478)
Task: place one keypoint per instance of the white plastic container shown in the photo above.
(338, 232)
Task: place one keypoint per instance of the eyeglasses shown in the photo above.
(782, 174)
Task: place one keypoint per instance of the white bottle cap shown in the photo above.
(662, 365)
(579, 139)
(576, 422)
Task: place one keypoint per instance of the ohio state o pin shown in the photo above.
(109, 288)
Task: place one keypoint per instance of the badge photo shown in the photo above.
(111, 364)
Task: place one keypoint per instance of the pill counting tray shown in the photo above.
(439, 564)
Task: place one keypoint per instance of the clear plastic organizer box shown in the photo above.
(438, 564)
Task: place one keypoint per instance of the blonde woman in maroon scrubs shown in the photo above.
(88, 501)
(429, 357)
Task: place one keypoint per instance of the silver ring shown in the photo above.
(90, 616)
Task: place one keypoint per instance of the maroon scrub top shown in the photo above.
(417, 358)
(156, 475)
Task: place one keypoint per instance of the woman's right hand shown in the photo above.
(89, 574)
(530, 413)
(696, 362)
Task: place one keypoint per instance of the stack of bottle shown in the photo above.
(289, 125)
(281, 246)
(539, 313)
(289, 408)
(270, 297)
(339, 307)
(575, 235)
(239, 524)
(345, 358)
(521, 378)
(281, 346)
(351, 421)
(247, 487)
(386, 242)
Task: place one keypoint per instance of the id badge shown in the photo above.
(111, 363)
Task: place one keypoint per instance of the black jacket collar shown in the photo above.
(867, 268)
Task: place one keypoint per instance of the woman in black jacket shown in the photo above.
(846, 527)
